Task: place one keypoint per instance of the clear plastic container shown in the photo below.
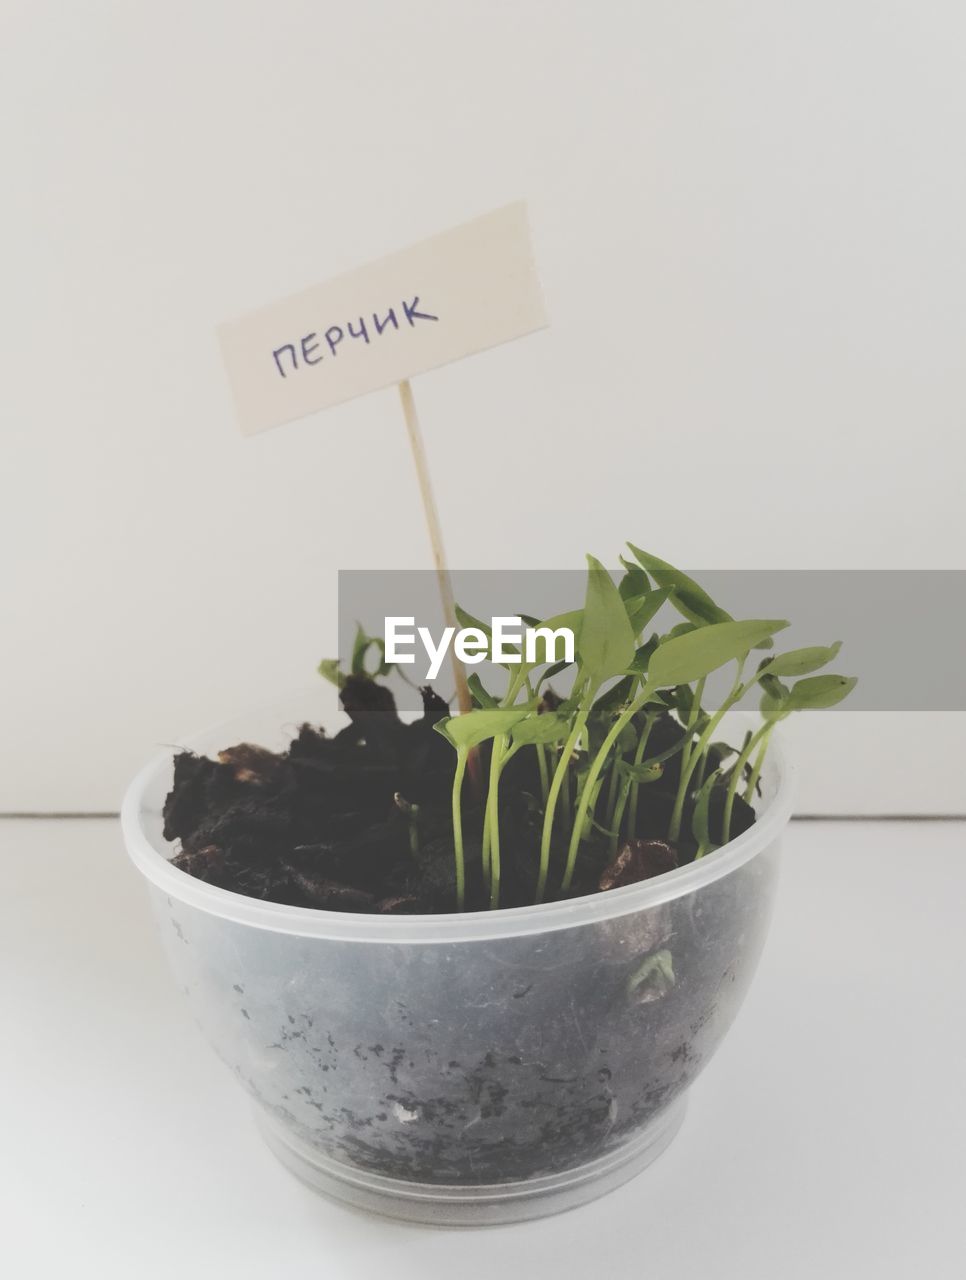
(465, 1069)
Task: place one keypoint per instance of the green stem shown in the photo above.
(458, 828)
(485, 847)
(487, 811)
(595, 769)
(735, 778)
(756, 771)
(738, 691)
(687, 768)
(636, 786)
(612, 793)
(539, 747)
(627, 784)
(618, 816)
(541, 751)
(490, 815)
(493, 814)
(559, 776)
(688, 751)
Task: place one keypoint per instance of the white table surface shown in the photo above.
(826, 1139)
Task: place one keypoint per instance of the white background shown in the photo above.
(749, 222)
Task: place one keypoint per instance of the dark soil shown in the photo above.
(361, 822)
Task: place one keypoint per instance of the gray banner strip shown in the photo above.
(902, 630)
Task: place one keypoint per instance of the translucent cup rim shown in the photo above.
(152, 858)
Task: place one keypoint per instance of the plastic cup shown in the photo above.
(475, 1068)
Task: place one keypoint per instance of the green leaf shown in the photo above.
(475, 686)
(606, 641)
(612, 698)
(479, 726)
(682, 700)
(555, 670)
(570, 704)
(360, 649)
(719, 752)
(820, 691)
(328, 668)
(691, 599)
(641, 659)
(548, 727)
(570, 621)
(646, 771)
(682, 629)
(692, 656)
(801, 662)
(634, 583)
(467, 620)
(774, 699)
(641, 609)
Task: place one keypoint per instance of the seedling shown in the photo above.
(634, 723)
(592, 750)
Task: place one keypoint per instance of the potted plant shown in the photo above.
(468, 966)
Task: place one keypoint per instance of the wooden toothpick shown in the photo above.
(435, 536)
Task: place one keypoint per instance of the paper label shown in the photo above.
(457, 293)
